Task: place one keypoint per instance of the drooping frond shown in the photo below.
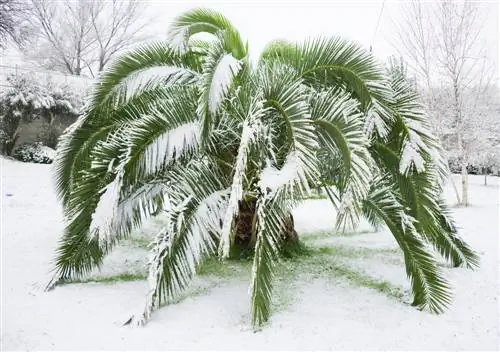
(339, 126)
(288, 99)
(430, 290)
(420, 188)
(281, 189)
(250, 132)
(124, 87)
(198, 200)
(219, 69)
(331, 62)
(202, 20)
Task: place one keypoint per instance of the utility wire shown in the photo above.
(378, 24)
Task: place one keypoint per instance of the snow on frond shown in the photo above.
(177, 39)
(105, 215)
(226, 69)
(170, 146)
(272, 179)
(141, 202)
(375, 122)
(151, 77)
(210, 213)
(346, 203)
(410, 156)
(191, 230)
(250, 132)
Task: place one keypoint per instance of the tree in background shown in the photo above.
(83, 35)
(12, 22)
(224, 148)
(441, 40)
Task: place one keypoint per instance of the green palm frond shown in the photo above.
(430, 290)
(201, 20)
(286, 96)
(281, 189)
(197, 204)
(339, 125)
(120, 89)
(250, 132)
(219, 69)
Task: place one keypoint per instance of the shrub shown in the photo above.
(34, 153)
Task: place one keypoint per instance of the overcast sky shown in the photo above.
(260, 21)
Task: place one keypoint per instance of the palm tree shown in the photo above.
(224, 148)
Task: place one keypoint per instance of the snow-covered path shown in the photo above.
(324, 314)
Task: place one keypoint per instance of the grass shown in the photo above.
(303, 261)
(111, 279)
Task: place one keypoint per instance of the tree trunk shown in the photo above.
(245, 227)
(465, 185)
(485, 178)
(455, 189)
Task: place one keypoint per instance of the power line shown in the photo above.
(378, 24)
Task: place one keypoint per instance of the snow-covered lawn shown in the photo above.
(350, 296)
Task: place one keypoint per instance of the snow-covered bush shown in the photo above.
(31, 97)
(34, 153)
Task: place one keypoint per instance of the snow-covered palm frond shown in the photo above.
(219, 69)
(328, 62)
(282, 189)
(108, 107)
(286, 97)
(150, 78)
(206, 21)
(198, 199)
(421, 149)
(430, 290)
(339, 126)
(193, 22)
(251, 129)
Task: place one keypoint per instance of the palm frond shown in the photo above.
(250, 132)
(286, 96)
(339, 126)
(219, 69)
(430, 290)
(198, 198)
(281, 191)
(123, 88)
(202, 20)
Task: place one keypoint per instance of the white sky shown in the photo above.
(260, 21)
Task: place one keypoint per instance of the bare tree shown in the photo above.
(83, 35)
(116, 32)
(441, 40)
(12, 19)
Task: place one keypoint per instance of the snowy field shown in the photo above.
(351, 296)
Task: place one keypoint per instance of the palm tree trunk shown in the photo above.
(245, 227)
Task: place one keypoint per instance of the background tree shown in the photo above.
(12, 21)
(442, 42)
(83, 35)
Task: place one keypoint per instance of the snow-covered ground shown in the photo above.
(323, 314)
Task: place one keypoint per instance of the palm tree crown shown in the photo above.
(190, 128)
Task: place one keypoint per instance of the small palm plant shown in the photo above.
(223, 149)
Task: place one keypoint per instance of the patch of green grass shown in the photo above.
(213, 266)
(319, 235)
(361, 279)
(327, 262)
(111, 279)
